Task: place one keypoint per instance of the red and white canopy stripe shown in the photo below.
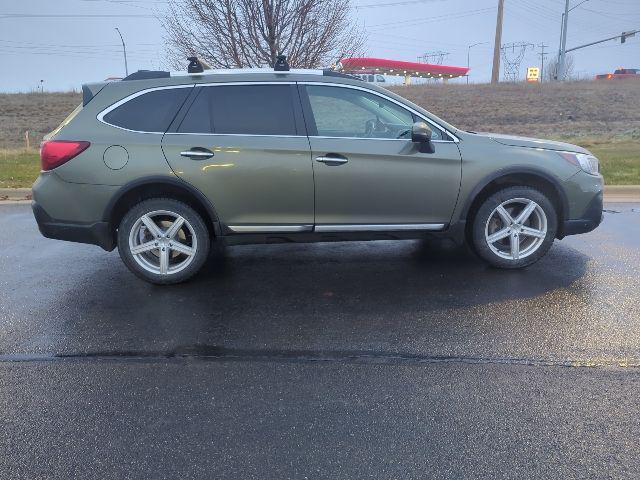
(399, 67)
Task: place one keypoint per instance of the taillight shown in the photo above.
(54, 153)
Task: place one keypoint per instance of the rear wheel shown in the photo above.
(514, 228)
(163, 241)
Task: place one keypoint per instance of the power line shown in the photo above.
(420, 21)
(610, 14)
(126, 1)
(437, 56)
(77, 45)
(393, 4)
(420, 40)
(74, 15)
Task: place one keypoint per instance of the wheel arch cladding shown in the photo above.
(526, 177)
(158, 187)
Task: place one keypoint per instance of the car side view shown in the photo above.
(162, 164)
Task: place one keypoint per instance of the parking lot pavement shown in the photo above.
(361, 360)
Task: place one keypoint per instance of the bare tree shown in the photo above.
(569, 67)
(251, 33)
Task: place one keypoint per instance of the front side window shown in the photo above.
(242, 109)
(150, 112)
(347, 112)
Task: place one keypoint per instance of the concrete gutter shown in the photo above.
(613, 194)
(13, 195)
(622, 193)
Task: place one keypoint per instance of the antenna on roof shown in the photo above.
(195, 65)
(281, 64)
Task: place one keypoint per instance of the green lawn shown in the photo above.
(18, 168)
(619, 161)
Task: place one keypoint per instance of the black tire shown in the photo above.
(196, 238)
(481, 220)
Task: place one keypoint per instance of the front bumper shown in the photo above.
(97, 233)
(591, 218)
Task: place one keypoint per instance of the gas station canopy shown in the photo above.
(399, 68)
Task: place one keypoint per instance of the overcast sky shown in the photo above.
(50, 40)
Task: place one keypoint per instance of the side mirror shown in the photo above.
(421, 134)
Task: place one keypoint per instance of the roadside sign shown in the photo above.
(533, 74)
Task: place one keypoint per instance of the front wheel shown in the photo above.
(163, 241)
(514, 227)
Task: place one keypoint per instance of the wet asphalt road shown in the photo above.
(361, 360)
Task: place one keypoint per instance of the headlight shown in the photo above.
(588, 163)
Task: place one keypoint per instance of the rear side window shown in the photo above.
(149, 112)
(242, 109)
(198, 118)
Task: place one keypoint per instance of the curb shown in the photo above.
(15, 194)
(612, 193)
(622, 193)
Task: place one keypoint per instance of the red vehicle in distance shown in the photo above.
(621, 74)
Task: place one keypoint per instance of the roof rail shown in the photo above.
(150, 74)
(146, 75)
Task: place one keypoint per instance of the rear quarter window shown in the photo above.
(150, 112)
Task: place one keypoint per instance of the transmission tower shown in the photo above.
(435, 58)
(512, 55)
(543, 56)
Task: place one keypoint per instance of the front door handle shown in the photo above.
(197, 153)
(332, 159)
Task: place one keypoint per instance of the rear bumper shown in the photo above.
(97, 233)
(591, 218)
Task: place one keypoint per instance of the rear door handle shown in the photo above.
(197, 153)
(332, 159)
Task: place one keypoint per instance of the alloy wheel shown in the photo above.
(163, 242)
(516, 228)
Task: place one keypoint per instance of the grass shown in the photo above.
(18, 168)
(619, 162)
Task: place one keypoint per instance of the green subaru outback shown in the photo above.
(161, 164)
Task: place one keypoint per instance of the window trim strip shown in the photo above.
(104, 112)
(392, 100)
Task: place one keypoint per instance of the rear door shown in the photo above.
(244, 146)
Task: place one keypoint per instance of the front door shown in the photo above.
(244, 146)
(368, 173)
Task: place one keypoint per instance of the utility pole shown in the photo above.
(562, 54)
(563, 43)
(124, 50)
(542, 54)
(495, 74)
(555, 75)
